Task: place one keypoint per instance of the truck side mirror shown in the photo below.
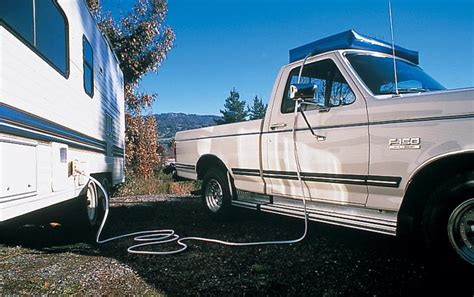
(303, 92)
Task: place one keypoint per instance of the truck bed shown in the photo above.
(237, 145)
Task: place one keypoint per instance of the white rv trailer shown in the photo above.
(61, 108)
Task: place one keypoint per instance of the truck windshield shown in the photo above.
(377, 74)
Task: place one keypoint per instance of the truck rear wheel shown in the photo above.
(216, 196)
(448, 222)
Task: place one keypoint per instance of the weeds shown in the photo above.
(160, 183)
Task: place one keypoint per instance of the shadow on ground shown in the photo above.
(331, 261)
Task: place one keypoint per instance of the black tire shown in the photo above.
(448, 219)
(216, 195)
(106, 185)
(84, 213)
(89, 207)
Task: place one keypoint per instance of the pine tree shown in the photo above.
(234, 109)
(257, 109)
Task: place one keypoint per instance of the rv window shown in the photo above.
(18, 15)
(88, 66)
(42, 25)
(51, 33)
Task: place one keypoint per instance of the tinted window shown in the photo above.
(51, 33)
(341, 93)
(377, 73)
(332, 88)
(88, 66)
(18, 14)
(43, 27)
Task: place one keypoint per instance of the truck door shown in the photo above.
(334, 165)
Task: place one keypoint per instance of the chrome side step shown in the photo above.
(384, 222)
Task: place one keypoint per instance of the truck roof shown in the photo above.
(350, 40)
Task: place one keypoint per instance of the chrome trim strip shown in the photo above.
(243, 204)
(347, 216)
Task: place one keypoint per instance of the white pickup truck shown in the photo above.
(374, 152)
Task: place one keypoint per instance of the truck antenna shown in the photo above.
(393, 47)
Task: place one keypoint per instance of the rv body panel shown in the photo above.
(48, 120)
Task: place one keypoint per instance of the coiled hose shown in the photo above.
(156, 237)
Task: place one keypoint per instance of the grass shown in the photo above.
(160, 183)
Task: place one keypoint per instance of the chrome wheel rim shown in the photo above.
(461, 230)
(213, 195)
(91, 200)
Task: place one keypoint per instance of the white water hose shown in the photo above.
(161, 236)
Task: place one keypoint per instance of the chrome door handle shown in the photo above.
(320, 138)
(277, 126)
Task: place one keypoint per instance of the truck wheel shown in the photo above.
(216, 197)
(461, 230)
(448, 222)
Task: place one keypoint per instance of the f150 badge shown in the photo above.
(409, 143)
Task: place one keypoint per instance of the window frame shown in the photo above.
(327, 93)
(33, 48)
(86, 63)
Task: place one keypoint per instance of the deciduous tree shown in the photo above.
(141, 41)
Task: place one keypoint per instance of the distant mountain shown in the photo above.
(170, 123)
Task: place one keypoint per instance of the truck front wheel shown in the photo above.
(448, 221)
(216, 196)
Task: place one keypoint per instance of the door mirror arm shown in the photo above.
(318, 137)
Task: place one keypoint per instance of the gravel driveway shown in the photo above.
(331, 261)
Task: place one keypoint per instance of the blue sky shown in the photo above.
(243, 43)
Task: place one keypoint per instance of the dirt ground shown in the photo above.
(332, 261)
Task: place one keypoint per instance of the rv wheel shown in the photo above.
(105, 184)
(92, 204)
(216, 197)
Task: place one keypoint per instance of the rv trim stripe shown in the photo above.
(20, 123)
(118, 152)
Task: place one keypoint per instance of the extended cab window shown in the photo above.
(42, 25)
(333, 90)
